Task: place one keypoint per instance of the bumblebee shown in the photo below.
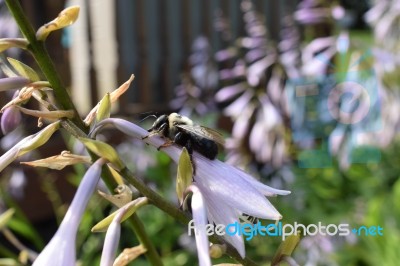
(181, 130)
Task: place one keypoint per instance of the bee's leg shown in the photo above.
(166, 144)
(150, 135)
(157, 132)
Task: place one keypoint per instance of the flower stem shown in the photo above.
(43, 59)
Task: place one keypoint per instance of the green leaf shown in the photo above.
(185, 174)
(24, 70)
(103, 150)
(104, 108)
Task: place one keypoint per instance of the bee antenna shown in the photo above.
(147, 117)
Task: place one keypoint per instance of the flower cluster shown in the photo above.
(194, 95)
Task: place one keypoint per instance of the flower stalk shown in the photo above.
(43, 59)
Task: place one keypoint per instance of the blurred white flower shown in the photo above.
(60, 251)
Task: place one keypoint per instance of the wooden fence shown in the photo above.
(149, 38)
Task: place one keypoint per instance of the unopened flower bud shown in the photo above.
(10, 119)
(13, 83)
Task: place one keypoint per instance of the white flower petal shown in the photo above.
(264, 189)
(111, 240)
(200, 221)
(229, 92)
(60, 251)
(221, 213)
(236, 108)
(228, 186)
(8, 157)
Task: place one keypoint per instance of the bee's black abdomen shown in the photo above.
(208, 148)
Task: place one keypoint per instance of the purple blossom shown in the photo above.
(227, 191)
(60, 251)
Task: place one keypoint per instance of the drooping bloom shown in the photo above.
(228, 192)
(60, 251)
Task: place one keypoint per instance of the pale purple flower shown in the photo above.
(10, 119)
(60, 251)
(228, 191)
(112, 239)
(13, 83)
(313, 12)
(254, 71)
(199, 210)
(18, 183)
(195, 92)
(317, 250)
(376, 12)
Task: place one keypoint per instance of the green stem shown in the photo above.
(44, 61)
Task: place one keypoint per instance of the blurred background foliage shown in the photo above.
(241, 84)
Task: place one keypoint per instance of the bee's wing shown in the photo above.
(204, 132)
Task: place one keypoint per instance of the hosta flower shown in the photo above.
(317, 250)
(253, 96)
(13, 83)
(60, 251)
(228, 192)
(112, 239)
(200, 220)
(10, 119)
(384, 17)
(195, 93)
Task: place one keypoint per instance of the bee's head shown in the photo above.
(161, 120)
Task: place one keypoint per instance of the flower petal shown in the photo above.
(111, 240)
(221, 213)
(227, 184)
(60, 251)
(200, 221)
